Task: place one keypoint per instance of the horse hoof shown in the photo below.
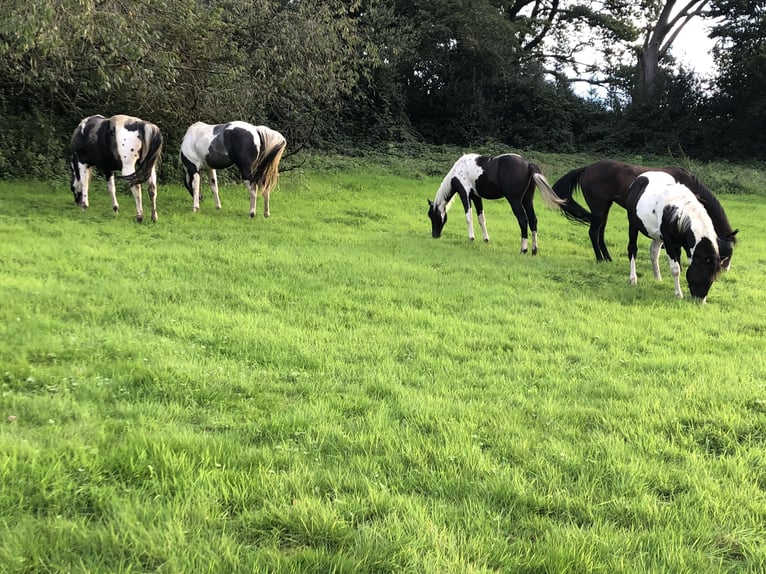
(470, 238)
(252, 215)
(534, 251)
(486, 240)
(116, 209)
(266, 215)
(523, 251)
(139, 218)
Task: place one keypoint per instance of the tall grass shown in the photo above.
(331, 390)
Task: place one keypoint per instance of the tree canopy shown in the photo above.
(363, 72)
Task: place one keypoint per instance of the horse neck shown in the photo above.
(445, 195)
(712, 206)
(695, 217)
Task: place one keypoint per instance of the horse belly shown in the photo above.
(649, 212)
(488, 189)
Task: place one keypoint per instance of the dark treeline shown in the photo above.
(349, 74)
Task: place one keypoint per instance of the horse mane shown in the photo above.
(710, 202)
(266, 165)
(692, 215)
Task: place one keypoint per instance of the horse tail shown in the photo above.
(151, 152)
(266, 168)
(564, 189)
(549, 196)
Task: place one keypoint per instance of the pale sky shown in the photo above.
(693, 48)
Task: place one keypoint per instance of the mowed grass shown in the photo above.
(332, 390)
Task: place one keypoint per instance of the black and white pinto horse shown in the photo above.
(124, 144)
(668, 212)
(475, 177)
(254, 150)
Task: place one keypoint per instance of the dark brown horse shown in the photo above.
(608, 181)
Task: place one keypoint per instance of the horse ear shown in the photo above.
(429, 203)
(733, 233)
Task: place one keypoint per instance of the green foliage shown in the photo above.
(739, 105)
(331, 390)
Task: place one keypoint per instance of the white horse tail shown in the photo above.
(266, 166)
(549, 196)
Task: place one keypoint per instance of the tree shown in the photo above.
(665, 21)
(739, 105)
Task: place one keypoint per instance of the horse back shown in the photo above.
(93, 145)
(609, 180)
(502, 175)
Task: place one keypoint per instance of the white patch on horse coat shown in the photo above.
(652, 203)
(196, 143)
(128, 145)
(466, 171)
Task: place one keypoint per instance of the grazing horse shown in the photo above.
(607, 181)
(475, 177)
(668, 212)
(254, 150)
(121, 143)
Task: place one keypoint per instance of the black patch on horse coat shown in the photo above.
(95, 146)
(217, 154)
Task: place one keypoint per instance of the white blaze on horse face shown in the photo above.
(129, 148)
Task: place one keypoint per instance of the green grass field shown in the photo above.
(332, 390)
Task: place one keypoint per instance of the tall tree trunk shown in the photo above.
(657, 40)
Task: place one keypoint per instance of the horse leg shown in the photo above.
(675, 271)
(195, 182)
(112, 188)
(674, 260)
(214, 188)
(85, 173)
(152, 190)
(601, 230)
(480, 216)
(654, 252)
(632, 250)
(529, 207)
(521, 217)
(136, 190)
(253, 189)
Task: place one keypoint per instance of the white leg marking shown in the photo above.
(524, 244)
(633, 276)
(469, 221)
(85, 172)
(654, 253)
(214, 188)
(253, 189)
(195, 192)
(136, 189)
(152, 190)
(110, 185)
(483, 224)
(266, 209)
(534, 243)
(675, 270)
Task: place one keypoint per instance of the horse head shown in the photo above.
(726, 248)
(438, 219)
(704, 268)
